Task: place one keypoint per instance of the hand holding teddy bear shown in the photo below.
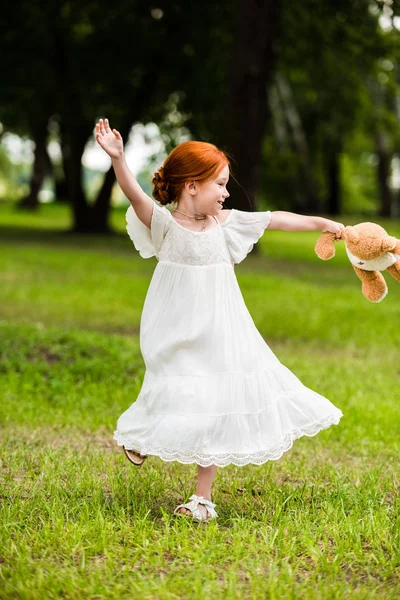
(370, 250)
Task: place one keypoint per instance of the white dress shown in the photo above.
(213, 391)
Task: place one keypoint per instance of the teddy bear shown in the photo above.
(370, 250)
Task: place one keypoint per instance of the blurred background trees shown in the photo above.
(304, 96)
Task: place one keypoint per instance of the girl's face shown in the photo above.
(211, 194)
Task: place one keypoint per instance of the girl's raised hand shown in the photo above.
(109, 139)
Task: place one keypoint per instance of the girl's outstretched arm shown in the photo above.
(287, 221)
(111, 141)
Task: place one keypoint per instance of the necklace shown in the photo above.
(194, 217)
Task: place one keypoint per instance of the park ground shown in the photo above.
(78, 521)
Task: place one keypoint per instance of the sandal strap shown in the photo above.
(202, 500)
(193, 506)
(210, 506)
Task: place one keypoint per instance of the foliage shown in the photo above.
(336, 83)
(336, 62)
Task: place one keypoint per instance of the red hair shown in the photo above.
(189, 161)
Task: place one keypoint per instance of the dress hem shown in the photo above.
(237, 459)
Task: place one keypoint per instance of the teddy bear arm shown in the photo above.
(374, 285)
(394, 270)
(325, 246)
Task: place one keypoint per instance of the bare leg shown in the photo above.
(205, 476)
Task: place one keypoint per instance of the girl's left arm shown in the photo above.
(287, 221)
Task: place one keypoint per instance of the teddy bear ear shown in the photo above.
(351, 235)
(388, 244)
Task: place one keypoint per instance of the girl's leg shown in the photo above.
(205, 476)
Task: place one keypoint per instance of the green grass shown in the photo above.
(78, 521)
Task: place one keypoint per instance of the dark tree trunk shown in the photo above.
(333, 181)
(101, 208)
(383, 175)
(41, 167)
(253, 61)
(61, 190)
(75, 128)
(72, 145)
(306, 198)
(396, 205)
(311, 200)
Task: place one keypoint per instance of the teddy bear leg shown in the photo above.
(394, 270)
(374, 285)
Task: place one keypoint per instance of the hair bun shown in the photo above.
(161, 190)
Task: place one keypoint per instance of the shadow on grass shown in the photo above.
(60, 237)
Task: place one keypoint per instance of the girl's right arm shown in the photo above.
(112, 143)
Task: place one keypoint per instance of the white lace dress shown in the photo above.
(213, 391)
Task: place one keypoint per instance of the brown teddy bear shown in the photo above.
(370, 250)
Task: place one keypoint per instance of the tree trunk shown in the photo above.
(383, 175)
(41, 167)
(333, 181)
(307, 200)
(61, 189)
(72, 145)
(101, 209)
(75, 129)
(396, 204)
(253, 61)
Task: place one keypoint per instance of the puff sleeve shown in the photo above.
(148, 241)
(242, 230)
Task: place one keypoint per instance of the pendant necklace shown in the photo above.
(193, 217)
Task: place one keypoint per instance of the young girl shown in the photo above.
(213, 393)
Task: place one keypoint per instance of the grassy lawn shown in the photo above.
(78, 521)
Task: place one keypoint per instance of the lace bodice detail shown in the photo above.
(194, 247)
(228, 242)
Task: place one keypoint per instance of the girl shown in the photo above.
(213, 393)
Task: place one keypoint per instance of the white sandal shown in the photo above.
(193, 506)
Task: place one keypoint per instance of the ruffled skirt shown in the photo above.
(213, 390)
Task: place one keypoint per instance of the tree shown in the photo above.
(27, 99)
(327, 52)
(252, 66)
